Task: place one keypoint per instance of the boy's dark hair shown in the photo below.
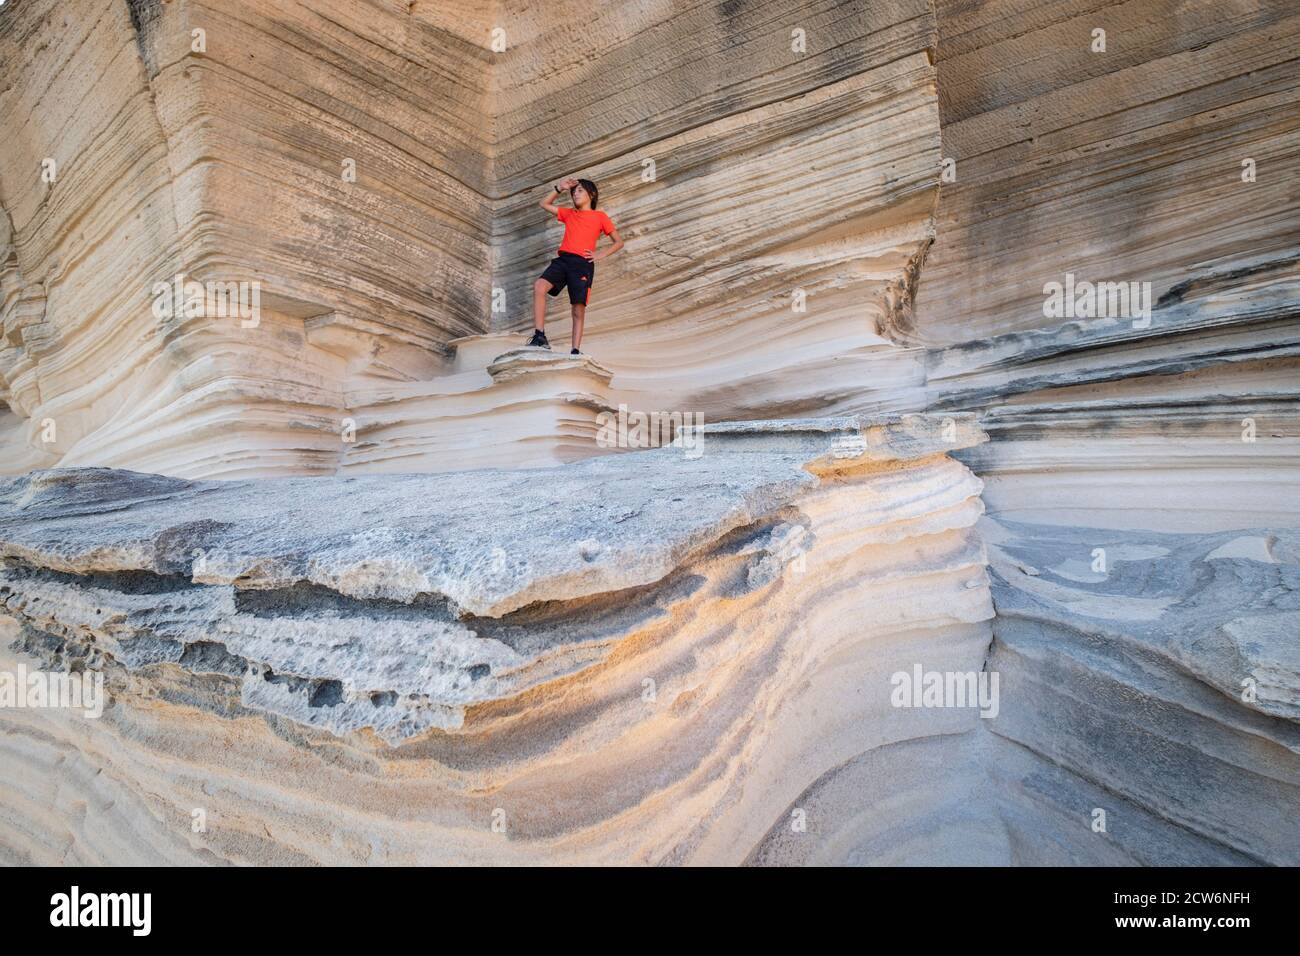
(592, 191)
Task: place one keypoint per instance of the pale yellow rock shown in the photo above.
(376, 168)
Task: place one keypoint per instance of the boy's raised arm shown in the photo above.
(549, 202)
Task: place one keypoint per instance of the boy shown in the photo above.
(575, 262)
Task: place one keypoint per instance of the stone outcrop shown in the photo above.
(638, 658)
(375, 167)
(1167, 671)
(651, 657)
(498, 404)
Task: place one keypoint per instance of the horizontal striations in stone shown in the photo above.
(1230, 318)
(261, 125)
(431, 536)
(1081, 161)
(333, 154)
(375, 169)
(654, 71)
(748, 288)
(1166, 161)
(609, 720)
(86, 198)
(498, 406)
(475, 611)
(715, 318)
(1206, 450)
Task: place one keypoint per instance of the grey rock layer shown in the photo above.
(488, 541)
(1161, 667)
(354, 603)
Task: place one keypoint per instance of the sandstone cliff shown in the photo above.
(365, 585)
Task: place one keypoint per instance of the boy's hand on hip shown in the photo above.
(591, 256)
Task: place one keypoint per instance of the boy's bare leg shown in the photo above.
(579, 313)
(540, 288)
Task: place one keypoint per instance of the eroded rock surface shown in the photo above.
(376, 168)
(653, 657)
(637, 658)
(1167, 159)
(538, 656)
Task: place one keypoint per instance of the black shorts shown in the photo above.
(575, 271)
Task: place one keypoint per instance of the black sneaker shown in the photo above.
(575, 352)
(538, 340)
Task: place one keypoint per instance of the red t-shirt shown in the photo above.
(582, 227)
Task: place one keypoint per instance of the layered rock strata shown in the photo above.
(374, 168)
(1164, 668)
(1148, 716)
(638, 658)
(520, 408)
(652, 657)
(1162, 151)
(830, 208)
